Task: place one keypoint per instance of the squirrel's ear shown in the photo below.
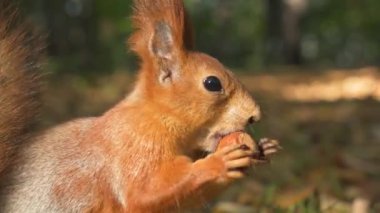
(163, 36)
(162, 41)
(163, 49)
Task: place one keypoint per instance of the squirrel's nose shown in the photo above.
(255, 116)
(253, 119)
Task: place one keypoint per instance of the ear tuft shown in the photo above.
(165, 21)
(162, 37)
(162, 41)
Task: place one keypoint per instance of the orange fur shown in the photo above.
(139, 155)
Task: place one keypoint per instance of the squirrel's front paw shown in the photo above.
(267, 148)
(234, 159)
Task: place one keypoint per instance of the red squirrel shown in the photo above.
(139, 155)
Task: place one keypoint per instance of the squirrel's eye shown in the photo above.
(212, 84)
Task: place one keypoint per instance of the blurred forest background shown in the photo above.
(311, 64)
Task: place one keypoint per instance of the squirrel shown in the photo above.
(139, 155)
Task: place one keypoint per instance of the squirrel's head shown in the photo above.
(192, 90)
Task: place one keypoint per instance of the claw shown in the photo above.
(244, 147)
(267, 148)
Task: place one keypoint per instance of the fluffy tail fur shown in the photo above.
(20, 51)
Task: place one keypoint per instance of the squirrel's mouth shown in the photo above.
(217, 137)
(211, 144)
